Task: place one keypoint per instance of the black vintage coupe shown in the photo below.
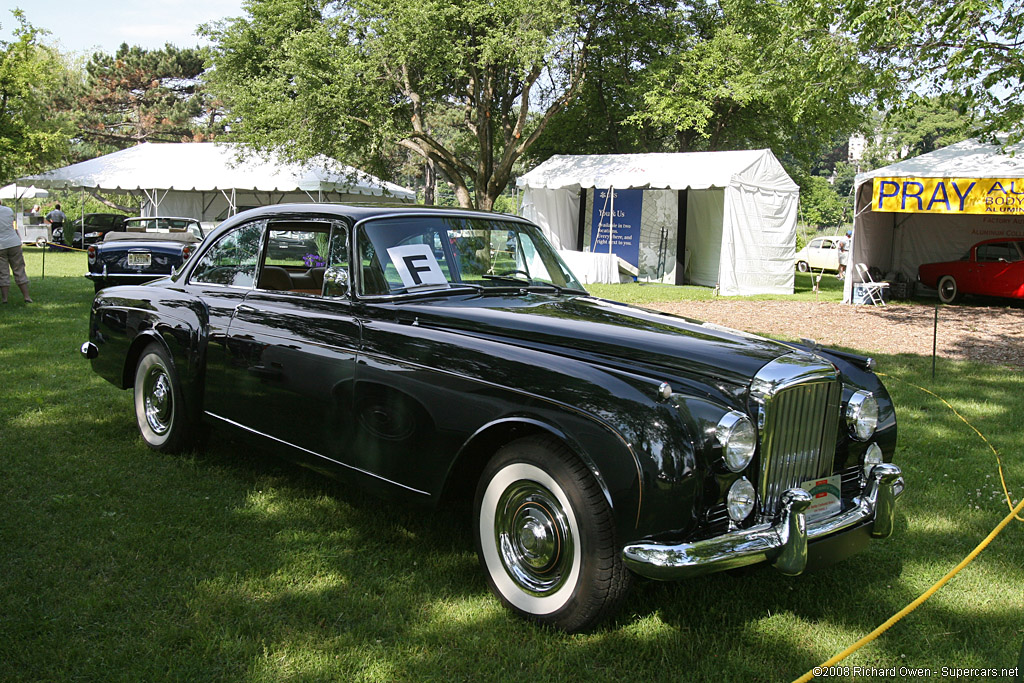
(439, 355)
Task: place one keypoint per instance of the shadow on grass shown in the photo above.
(233, 564)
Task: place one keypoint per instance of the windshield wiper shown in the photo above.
(508, 278)
(454, 288)
(564, 290)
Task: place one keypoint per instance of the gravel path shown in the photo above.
(977, 333)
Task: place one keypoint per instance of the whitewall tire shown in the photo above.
(545, 536)
(949, 291)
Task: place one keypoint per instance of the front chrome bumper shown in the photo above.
(784, 543)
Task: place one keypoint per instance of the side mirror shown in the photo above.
(336, 281)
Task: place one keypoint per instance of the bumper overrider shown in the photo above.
(783, 543)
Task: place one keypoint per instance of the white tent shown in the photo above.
(725, 219)
(935, 206)
(20, 192)
(209, 181)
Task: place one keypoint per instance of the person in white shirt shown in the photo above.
(11, 258)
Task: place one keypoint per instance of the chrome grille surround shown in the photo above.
(798, 398)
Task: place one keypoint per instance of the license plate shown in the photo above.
(139, 258)
(825, 496)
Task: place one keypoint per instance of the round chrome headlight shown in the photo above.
(740, 499)
(872, 457)
(738, 437)
(862, 415)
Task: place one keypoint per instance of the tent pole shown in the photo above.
(611, 220)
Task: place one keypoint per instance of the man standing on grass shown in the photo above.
(56, 220)
(11, 258)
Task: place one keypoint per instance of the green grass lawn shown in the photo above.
(118, 563)
(829, 289)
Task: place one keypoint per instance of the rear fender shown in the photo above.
(178, 342)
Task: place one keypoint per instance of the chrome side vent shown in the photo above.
(799, 398)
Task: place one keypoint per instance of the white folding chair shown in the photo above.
(874, 290)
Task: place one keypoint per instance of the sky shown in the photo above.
(84, 26)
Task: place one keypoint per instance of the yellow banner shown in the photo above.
(1001, 196)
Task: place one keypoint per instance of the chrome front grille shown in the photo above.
(798, 419)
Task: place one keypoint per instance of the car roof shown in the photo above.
(998, 240)
(161, 218)
(359, 212)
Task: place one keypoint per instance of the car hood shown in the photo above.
(611, 332)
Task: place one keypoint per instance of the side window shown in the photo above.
(232, 260)
(815, 244)
(296, 256)
(993, 252)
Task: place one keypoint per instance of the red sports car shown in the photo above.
(992, 268)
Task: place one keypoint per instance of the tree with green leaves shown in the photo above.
(140, 95)
(970, 49)
(31, 135)
(712, 75)
(467, 85)
(821, 205)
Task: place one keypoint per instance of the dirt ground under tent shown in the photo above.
(978, 333)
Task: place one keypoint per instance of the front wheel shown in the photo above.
(803, 266)
(545, 536)
(949, 292)
(160, 409)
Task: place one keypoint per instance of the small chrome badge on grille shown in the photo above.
(825, 496)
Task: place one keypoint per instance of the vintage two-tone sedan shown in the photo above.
(439, 355)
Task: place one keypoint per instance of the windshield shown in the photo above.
(425, 253)
(159, 224)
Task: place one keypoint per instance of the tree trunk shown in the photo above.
(429, 182)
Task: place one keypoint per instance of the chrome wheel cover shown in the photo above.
(534, 538)
(158, 399)
(530, 539)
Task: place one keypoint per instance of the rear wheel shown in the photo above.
(802, 266)
(545, 536)
(949, 292)
(160, 408)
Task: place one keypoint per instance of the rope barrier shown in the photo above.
(62, 247)
(1015, 513)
